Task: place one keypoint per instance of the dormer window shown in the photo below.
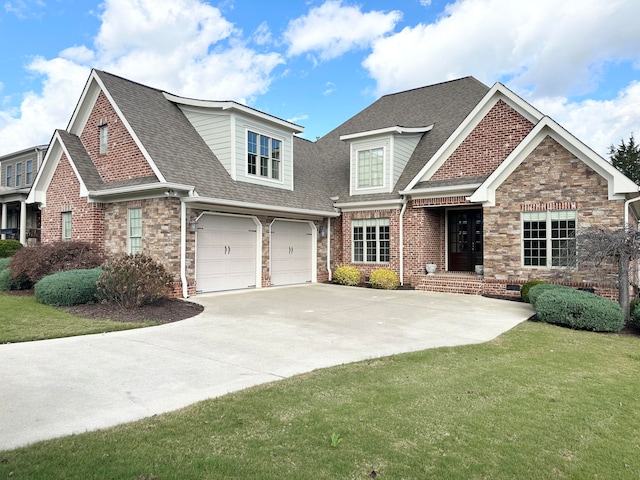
(264, 156)
(104, 134)
(370, 168)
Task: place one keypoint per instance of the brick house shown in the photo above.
(458, 175)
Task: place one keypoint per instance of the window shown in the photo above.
(370, 168)
(9, 175)
(29, 172)
(371, 240)
(549, 238)
(135, 230)
(264, 155)
(104, 137)
(66, 226)
(18, 174)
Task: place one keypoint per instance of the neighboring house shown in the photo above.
(455, 174)
(18, 220)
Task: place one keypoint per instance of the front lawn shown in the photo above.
(539, 402)
(23, 319)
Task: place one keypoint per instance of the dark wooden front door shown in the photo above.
(465, 240)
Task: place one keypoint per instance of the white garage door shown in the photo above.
(226, 257)
(291, 252)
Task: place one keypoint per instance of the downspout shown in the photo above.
(401, 239)
(329, 248)
(183, 249)
(626, 210)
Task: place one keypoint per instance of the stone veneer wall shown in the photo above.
(63, 195)
(551, 178)
(123, 159)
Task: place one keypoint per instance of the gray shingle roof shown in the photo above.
(81, 159)
(183, 157)
(445, 105)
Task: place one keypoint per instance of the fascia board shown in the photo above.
(44, 176)
(233, 106)
(381, 131)
(259, 206)
(466, 189)
(496, 93)
(369, 205)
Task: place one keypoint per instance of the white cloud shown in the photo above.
(183, 46)
(549, 52)
(333, 29)
(262, 35)
(330, 87)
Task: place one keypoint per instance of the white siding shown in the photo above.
(404, 145)
(215, 129)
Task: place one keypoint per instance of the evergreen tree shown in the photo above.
(626, 158)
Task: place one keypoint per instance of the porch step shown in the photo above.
(470, 285)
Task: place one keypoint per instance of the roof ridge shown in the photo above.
(468, 77)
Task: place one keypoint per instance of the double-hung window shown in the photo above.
(19, 174)
(66, 226)
(134, 230)
(371, 240)
(370, 168)
(264, 156)
(549, 238)
(9, 174)
(29, 172)
(104, 138)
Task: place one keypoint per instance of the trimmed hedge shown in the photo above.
(347, 275)
(5, 280)
(524, 291)
(9, 247)
(537, 290)
(64, 289)
(579, 310)
(384, 278)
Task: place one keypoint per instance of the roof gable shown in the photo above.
(496, 94)
(618, 184)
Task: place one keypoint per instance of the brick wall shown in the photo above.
(123, 159)
(493, 139)
(550, 178)
(63, 195)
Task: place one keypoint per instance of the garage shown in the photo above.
(292, 252)
(226, 253)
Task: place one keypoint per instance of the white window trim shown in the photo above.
(379, 222)
(269, 178)
(19, 177)
(103, 138)
(9, 176)
(356, 156)
(129, 236)
(549, 237)
(28, 171)
(66, 236)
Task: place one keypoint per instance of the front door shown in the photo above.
(465, 240)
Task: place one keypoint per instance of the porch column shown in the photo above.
(23, 222)
(3, 222)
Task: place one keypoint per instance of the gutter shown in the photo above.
(261, 207)
(626, 210)
(145, 187)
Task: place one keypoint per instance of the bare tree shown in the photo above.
(607, 251)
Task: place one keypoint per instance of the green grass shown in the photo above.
(539, 402)
(23, 319)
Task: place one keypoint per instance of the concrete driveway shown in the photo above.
(53, 388)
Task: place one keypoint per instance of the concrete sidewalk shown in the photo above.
(53, 388)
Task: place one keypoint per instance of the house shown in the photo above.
(19, 221)
(458, 175)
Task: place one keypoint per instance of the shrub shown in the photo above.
(347, 275)
(4, 263)
(384, 278)
(524, 291)
(9, 247)
(537, 290)
(64, 289)
(579, 310)
(5, 280)
(634, 319)
(31, 264)
(131, 281)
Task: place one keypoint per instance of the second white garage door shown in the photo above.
(292, 252)
(226, 253)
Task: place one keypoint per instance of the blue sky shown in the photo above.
(318, 62)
